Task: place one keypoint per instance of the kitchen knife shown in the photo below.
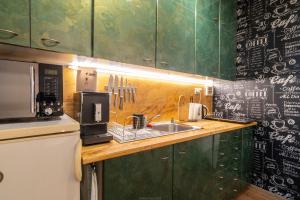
(129, 93)
(116, 90)
(110, 87)
(125, 91)
(133, 93)
(121, 94)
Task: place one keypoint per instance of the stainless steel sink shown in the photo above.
(173, 127)
(127, 133)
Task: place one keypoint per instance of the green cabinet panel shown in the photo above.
(176, 35)
(192, 175)
(227, 163)
(63, 26)
(141, 176)
(125, 31)
(207, 38)
(15, 24)
(227, 39)
(247, 157)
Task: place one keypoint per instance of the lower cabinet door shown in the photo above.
(192, 175)
(227, 158)
(247, 156)
(141, 176)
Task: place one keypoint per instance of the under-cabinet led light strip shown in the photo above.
(108, 67)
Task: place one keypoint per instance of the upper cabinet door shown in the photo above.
(176, 35)
(125, 31)
(62, 25)
(207, 40)
(227, 39)
(14, 23)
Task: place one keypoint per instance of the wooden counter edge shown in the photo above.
(107, 151)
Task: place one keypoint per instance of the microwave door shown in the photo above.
(18, 89)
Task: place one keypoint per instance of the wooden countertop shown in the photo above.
(114, 149)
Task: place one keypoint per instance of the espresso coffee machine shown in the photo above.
(92, 112)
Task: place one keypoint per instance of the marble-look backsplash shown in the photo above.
(153, 97)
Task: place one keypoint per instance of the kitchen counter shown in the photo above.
(38, 128)
(114, 149)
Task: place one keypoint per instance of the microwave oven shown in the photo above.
(30, 90)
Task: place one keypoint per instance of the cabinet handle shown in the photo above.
(182, 152)
(236, 179)
(235, 158)
(221, 177)
(236, 148)
(32, 90)
(235, 190)
(164, 63)
(48, 42)
(147, 59)
(220, 188)
(165, 158)
(1, 176)
(235, 169)
(222, 154)
(12, 34)
(221, 165)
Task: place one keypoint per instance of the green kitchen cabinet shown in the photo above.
(15, 22)
(176, 35)
(62, 26)
(227, 39)
(247, 156)
(192, 175)
(207, 38)
(125, 31)
(141, 176)
(227, 161)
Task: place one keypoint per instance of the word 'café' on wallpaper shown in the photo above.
(268, 90)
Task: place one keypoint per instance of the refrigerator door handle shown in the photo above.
(78, 172)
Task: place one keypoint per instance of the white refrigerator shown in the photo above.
(46, 167)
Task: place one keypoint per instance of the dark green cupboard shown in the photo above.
(207, 40)
(232, 162)
(247, 156)
(192, 169)
(227, 39)
(141, 176)
(62, 26)
(216, 167)
(15, 22)
(176, 35)
(125, 31)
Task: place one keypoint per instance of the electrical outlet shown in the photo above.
(209, 91)
(197, 90)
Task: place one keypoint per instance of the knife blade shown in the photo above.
(116, 90)
(110, 87)
(121, 94)
(125, 91)
(129, 93)
(133, 93)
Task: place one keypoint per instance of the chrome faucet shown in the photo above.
(153, 118)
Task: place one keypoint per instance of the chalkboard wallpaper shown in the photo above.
(268, 90)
